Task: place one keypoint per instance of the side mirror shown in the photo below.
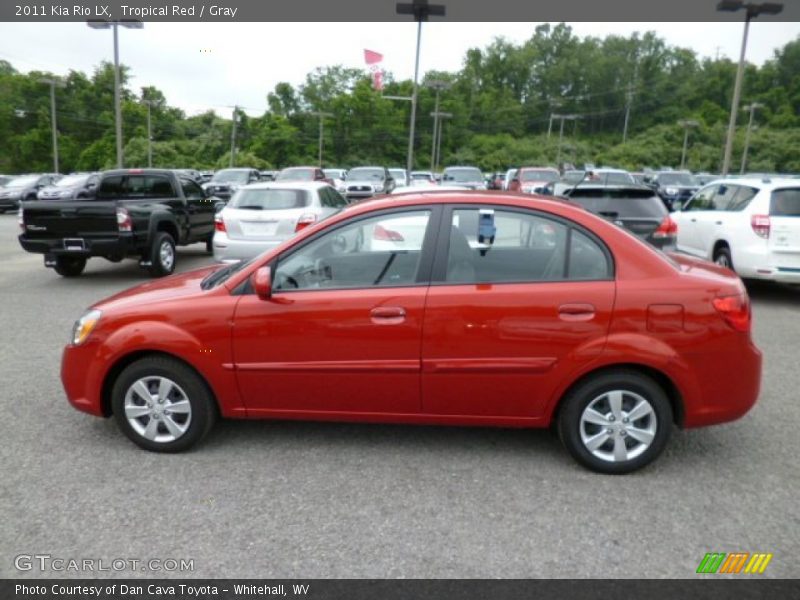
(262, 283)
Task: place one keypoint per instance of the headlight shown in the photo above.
(671, 191)
(84, 326)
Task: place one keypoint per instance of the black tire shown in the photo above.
(210, 244)
(571, 429)
(70, 266)
(722, 257)
(203, 407)
(160, 263)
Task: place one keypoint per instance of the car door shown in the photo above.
(342, 330)
(714, 224)
(200, 209)
(690, 217)
(505, 323)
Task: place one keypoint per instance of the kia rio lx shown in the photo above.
(460, 308)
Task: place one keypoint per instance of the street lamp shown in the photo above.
(321, 116)
(440, 117)
(686, 124)
(563, 118)
(421, 10)
(752, 108)
(752, 11)
(53, 83)
(438, 85)
(115, 25)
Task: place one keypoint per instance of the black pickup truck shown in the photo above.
(136, 213)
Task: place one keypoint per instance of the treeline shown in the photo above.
(500, 101)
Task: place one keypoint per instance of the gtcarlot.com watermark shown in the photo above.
(58, 564)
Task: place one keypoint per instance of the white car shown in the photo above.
(749, 225)
(263, 215)
(400, 177)
(509, 176)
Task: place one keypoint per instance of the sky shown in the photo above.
(202, 66)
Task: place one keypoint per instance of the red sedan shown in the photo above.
(455, 308)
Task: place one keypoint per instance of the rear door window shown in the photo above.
(148, 186)
(742, 198)
(785, 203)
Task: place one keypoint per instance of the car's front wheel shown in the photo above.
(162, 404)
(615, 422)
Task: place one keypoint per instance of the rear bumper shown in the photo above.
(228, 250)
(729, 387)
(123, 245)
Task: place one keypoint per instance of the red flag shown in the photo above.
(371, 57)
(377, 80)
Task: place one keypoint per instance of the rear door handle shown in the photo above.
(576, 312)
(388, 315)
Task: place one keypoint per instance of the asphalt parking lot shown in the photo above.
(286, 500)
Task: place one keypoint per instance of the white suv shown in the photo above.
(749, 225)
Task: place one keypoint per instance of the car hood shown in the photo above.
(159, 290)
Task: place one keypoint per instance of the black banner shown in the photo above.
(710, 588)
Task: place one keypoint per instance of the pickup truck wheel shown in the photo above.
(162, 255)
(210, 244)
(69, 266)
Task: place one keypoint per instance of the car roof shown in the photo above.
(283, 185)
(761, 182)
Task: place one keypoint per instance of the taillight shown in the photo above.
(735, 310)
(219, 224)
(124, 222)
(386, 235)
(21, 219)
(666, 229)
(304, 221)
(760, 225)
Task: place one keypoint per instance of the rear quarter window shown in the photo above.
(785, 203)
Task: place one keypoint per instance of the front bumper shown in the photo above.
(82, 379)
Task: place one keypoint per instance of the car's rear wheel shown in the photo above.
(162, 404)
(162, 255)
(722, 256)
(69, 266)
(210, 244)
(615, 422)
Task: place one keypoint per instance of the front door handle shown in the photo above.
(388, 315)
(576, 312)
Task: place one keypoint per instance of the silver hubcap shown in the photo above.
(167, 254)
(158, 409)
(722, 260)
(618, 425)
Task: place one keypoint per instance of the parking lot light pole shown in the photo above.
(752, 108)
(53, 83)
(321, 116)
(421, 10)
(438, 85)
(115, 25)
(149, 136)
(686, 124)
(440, 117)
(563, 118)
(752, 11)
(233, 136)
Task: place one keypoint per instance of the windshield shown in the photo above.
(332, 173)
(676, 179)
(614, 178)
(71, 180)
(421, 175)
(269, 199)
(223, 274)
(365, 174)
(23, 181)
(295, 175)
(539, 175)
(397, 173)
(463, 175)
(231, 176)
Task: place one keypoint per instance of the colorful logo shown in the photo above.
(735, 562)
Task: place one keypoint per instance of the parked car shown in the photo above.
(749, 225)
(423, 178)
(262, 215)
(267, 175)
(561, 319)
(496, 181)
(635, 208)
(365, 182)
(225, 182)
(136, 213)
(73, 186)
(400, 177)
(674, 187)
(510, 174)
(470, 177)
(303, 174)
(533, 180)
(337, 178)
(24, 187)
(192, 174)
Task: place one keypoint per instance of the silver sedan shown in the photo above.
(262, 215)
